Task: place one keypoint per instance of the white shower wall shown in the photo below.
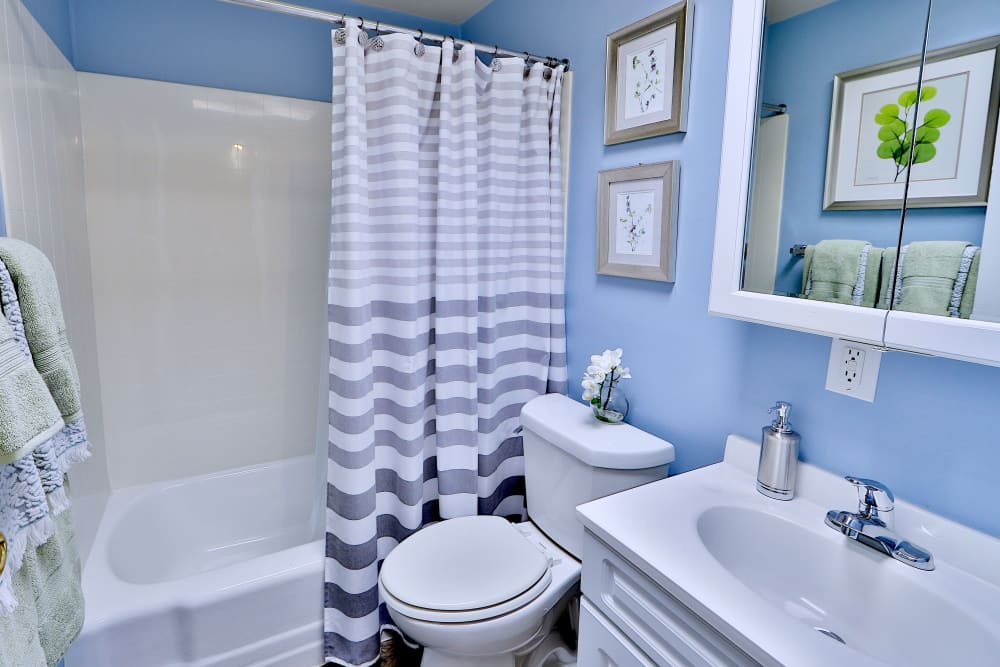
(41, 167)
(208, 216)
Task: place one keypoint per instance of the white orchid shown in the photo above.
(605, 370)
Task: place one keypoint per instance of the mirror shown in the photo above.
(949, 260)
(837, 94)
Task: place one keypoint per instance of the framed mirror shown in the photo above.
(839, 159)
(824, 206)
(947, 241)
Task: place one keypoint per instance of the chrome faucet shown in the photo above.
(873, 524)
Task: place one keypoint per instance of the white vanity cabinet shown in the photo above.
(628, 620)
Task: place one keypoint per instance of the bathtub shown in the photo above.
(221, 570)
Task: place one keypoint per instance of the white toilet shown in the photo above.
(482, 591)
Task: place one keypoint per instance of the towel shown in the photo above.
(55, 457)
(889, 268)
(22, 645)
(969, 294)
(929, 273)
(50, 615)
(837, 270)
(872, 275)
(45, 327)
(54, 571)
(28, 415)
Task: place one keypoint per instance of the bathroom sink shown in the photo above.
(845, 591)
(777, 582)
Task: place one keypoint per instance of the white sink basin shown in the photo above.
(844, 593)
(787, 589)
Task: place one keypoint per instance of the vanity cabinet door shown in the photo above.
(660, 625)
(602, 645)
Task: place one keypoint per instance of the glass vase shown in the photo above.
(611, 407)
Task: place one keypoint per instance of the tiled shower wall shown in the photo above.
(42, 172)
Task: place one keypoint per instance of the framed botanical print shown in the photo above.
(647, 76)
(637, 221)
(942, 132)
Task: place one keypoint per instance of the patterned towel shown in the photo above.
(32, 488)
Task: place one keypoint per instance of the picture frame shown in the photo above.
(646, 87)
(868, 153)
(637, 221)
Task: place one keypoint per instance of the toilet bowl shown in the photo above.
(486, 592)
(495, 615)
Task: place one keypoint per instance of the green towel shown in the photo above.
(806, 268)
(28, 415)
(44, 325)
(58, 594)
(888, 268)
(929, 272)
(834, 270)
(872, 274)
(969, 296)
(50, 608)
(19, 639)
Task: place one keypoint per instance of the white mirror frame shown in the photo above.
(969, 340)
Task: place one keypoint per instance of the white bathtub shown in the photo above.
(222, 570)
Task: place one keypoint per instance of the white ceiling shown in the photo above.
(779, 10)
(450, 11)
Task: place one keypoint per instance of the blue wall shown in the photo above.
(803, 55)
(930, 435)
(209, 43)
(55, 18)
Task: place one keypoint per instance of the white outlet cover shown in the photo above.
(853, 369)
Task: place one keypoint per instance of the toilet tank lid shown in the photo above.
(571, 426)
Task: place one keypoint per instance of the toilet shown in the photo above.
(482, 591)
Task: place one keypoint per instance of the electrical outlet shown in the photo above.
(853, 369)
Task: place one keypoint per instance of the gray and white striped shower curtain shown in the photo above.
(445, 300)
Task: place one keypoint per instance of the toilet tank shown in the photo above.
(570, 458)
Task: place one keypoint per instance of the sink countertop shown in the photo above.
(656, 528)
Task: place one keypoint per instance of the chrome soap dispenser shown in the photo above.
(779, 456)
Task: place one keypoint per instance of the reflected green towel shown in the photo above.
(834, 270)
(44, 325)
(872, 275)
(969, 296)
(930, 269)
(806, 268)
(28, 415)
(885, 283)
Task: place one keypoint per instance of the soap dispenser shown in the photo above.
(779, 456)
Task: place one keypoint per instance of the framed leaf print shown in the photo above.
(637, 221)
(883, 125)
(647, 73)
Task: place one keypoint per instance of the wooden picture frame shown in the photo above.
(646, 88)
(637, 221)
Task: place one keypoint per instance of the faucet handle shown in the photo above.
(873, 496)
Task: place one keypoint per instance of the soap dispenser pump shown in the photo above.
(779, 456)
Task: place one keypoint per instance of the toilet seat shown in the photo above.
(463, 570)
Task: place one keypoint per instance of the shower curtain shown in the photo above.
(445, 300)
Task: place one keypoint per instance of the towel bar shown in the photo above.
(798, 250)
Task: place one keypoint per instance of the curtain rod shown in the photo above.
(331, 17)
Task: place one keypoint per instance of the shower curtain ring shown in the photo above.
(496, 49)
(421, 38)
